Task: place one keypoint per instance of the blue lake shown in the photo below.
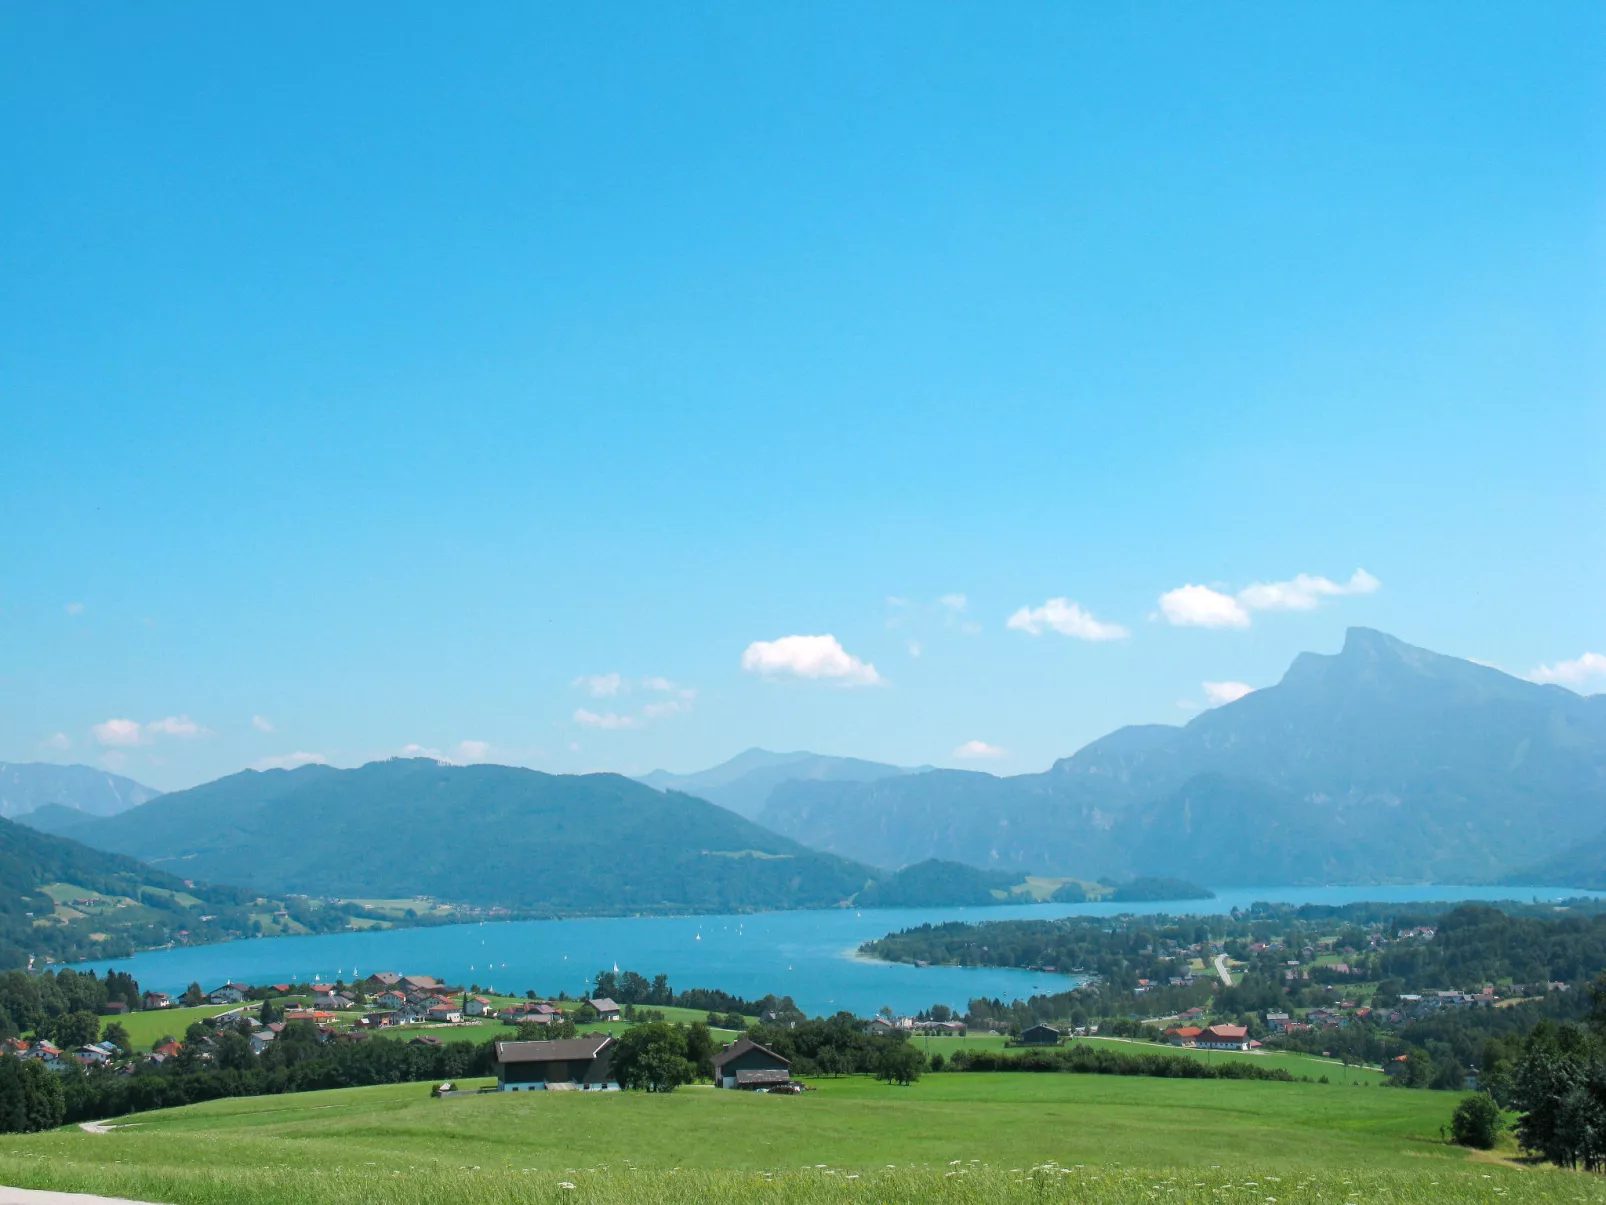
(806, 955)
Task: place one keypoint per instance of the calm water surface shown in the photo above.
(806, 955)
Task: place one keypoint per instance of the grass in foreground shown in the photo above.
(959, 1137)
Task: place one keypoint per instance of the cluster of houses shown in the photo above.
(96, 1054)
(912, 1025)
(1212, 1037)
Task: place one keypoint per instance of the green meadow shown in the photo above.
(953, 1137)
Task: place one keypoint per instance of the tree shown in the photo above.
(653, 1057)
(117, 1035)
(899, 1063)
(1476, 1122)
(586, 1011)
(700, 1049)
(607, 985)
(270, 1012)
(193, 995)
(232, 1052)
(31, 1096)
(71, 1029)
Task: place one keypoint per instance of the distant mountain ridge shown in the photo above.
(1381, 763)
(495, 836)
(744, 783)
(27, 786)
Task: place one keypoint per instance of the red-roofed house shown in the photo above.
(1224, 1037)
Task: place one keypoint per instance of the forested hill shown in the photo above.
(495, 836)
(62, 900)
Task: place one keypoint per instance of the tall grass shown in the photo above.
(959, 1184)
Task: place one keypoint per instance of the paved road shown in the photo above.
(1221, 969)
(36, 1196)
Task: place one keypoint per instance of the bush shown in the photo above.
(1476, 1122)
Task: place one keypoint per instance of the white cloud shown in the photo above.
(600, 686)
(954, 604)
(667, 707)
(473, 751)
(74, 608)
(809, 657)
(1201, 607)
(1304, 592)
(60, 741)
(1205, 607)
(289, 761)
(1218, 693)
(972, 749)
(119, 732)
(176, 725)
(261, 723)
(665, 686)
(608, 719)
(1575, 673)
(1067, 618)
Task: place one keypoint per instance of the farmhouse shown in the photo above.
(1224, 1037)
(229, 993)
(746, 1064)
(155, 1000)
(1040, 1035)
(445, 1010)
(573, 1064)
(607, 1010)
(1183, 1035)
(477, 1006)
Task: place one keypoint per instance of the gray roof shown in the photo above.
(562, 1051)
(742, 1046)
(765, 1075)
(603, 1005)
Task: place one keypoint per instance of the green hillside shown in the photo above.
(495, 836)
(62, 901)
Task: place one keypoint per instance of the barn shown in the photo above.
(746, 1064)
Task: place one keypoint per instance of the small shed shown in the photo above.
(746, 1064)
(1041, 1035)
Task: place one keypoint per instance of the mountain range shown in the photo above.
(28, 786)
(493, 836)
(1383, 762)
(744, 783)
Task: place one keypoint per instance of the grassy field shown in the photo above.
(969, 1137)
(144, 1028)
(1294, 1064)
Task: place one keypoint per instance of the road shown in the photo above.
(34, 1196)
(1221, 969)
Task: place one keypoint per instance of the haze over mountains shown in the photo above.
(1384, 762)
(28, 786)
(743, 784)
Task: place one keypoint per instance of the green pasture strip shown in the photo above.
(431, 1182)
(145, 1027)
(1007, 1119)
(1294, 1064)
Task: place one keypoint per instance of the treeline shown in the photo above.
(1101, 1060)
(50, 1002)
(1476, 944)
(629, 987)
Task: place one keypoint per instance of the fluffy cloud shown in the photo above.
(1575, 673)
(1218, 693)
(973, 749)
(665, 708)
(1304, 592)
(176, 725)
(289, 761)
(61, 741)
(1204, 607)
(600, 686)
(1067, 618)
(820, 657)
(261, 723)
(954, 604)
(473, 751)
(608, 719)
(119, 732)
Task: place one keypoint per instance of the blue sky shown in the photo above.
(385, 377)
